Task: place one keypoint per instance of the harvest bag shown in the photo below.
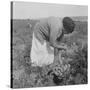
(41, 54)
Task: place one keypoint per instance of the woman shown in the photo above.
(47, 33)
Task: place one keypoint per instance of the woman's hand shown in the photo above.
(62, 47)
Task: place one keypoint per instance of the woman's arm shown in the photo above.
(56, 33)
(59, 46)
(54, 42)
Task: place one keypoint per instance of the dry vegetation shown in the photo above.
(72, 71)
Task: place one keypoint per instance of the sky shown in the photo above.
(31, 10)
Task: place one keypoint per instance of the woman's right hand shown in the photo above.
(63, 47)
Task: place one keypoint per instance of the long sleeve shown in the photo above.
(55, 30)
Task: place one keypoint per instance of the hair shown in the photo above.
(68, 24)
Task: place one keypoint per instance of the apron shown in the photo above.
(41, 54)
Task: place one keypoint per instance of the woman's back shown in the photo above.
(46, 26)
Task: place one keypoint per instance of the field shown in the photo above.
(74, 68)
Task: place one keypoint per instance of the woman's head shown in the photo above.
(68, 25)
